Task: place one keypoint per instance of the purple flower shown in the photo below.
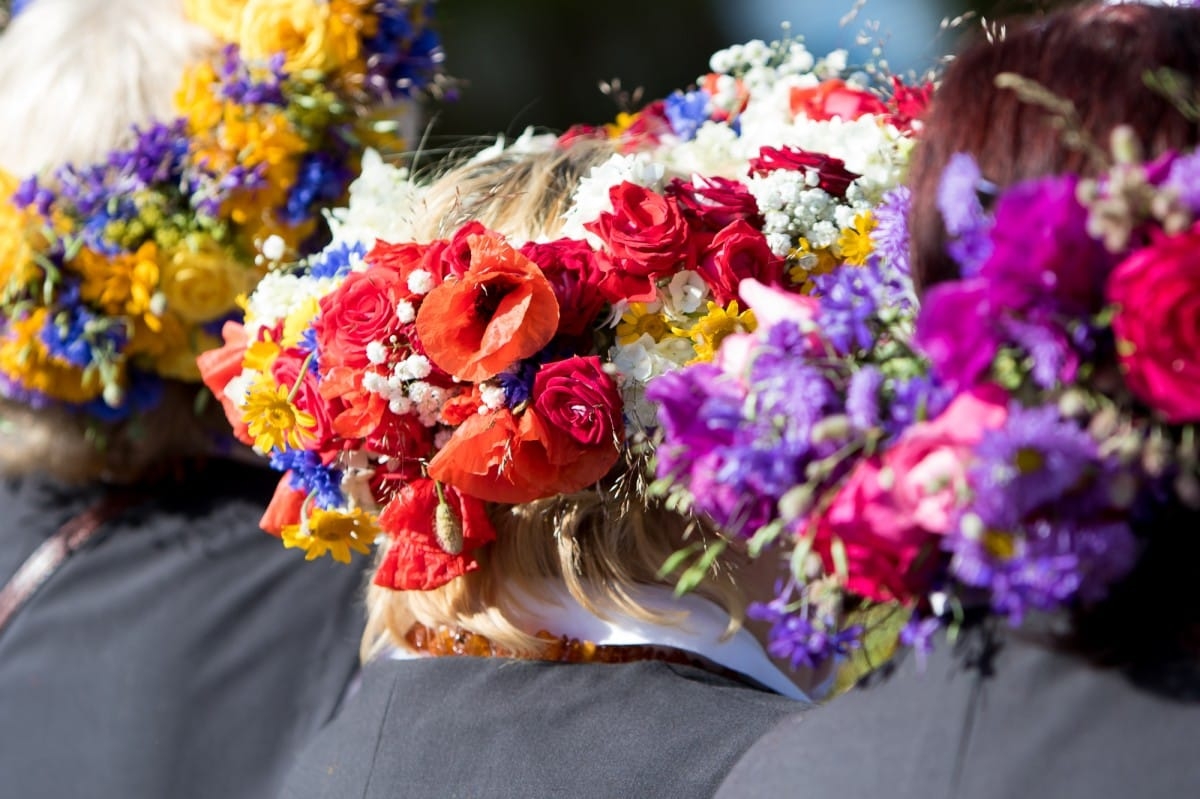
(918, 634)
(1042, 251)
(891, 236)
(862, 397)
(698, 410)
(803, 641)
(1045, 565)
(913, 400)
(963, 213)
(1184, 179)
(957, 329)
(851, 299)
(1036, 460)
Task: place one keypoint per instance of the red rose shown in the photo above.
(451, 258)
(736, 253)
(501, 311)
(286, 371)
(712, 203)
(576, 396)
(832, 175)
(647, 129)
(1157, 294)
(403, 259)
(833, 98)
(358, 312)
(582, 132)
(417, 560)
(908, 104)
(574, 271)
(646, 235)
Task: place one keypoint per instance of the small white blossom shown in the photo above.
(405, 312)
(420, 281)
(376, 352)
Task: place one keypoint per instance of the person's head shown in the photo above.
(158, 157)
(1097, 57)
(599, 544)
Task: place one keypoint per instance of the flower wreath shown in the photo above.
(402, 386)
(116, 274)
(1000, 446)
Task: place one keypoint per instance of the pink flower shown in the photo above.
(773, 305)
(893, 508)
(1157, 291)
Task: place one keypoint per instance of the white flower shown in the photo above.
(414, 367)
(405, 312)
(384, 204)
(274, 248)
(492, 396)
(376, 352)
(420, 281)
(686, 293)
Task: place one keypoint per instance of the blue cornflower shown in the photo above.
(335, 261)
(687, 112)
(79, 337)
(311, 476)
(517, 383)
(322, 178)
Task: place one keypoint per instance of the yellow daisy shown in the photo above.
(711, 329)
(807, 263)
(855, 243)
(272, 419)
(333, 531)
(640, 321)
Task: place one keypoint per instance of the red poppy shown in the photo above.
(501, 311)
(416, 560)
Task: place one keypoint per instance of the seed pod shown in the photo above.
(448, 529)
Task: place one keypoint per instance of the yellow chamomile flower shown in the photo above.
(641, 320)
(332, 531)
(711, 329)
(272, 419)
(807, 263)
(855, 242)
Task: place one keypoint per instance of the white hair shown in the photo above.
(76, 74)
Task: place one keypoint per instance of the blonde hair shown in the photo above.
(599, 544)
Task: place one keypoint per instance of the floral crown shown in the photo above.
(1002, 447)
(117, 274)
(402, 386)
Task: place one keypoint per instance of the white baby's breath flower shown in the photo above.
(420, 281)
(376, 352)
(405, 312)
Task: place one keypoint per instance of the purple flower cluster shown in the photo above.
(1041, 529)
(1040, 282)
(800, 637)
(245, 86)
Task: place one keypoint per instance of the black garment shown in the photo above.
(1002, 718)
(182, 654)
(493, 728)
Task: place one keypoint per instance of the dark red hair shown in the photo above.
(1095, 56)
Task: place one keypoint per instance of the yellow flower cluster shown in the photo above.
(24, 359)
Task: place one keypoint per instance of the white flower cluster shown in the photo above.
(384, 203)
(278, 294)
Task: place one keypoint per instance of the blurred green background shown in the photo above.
(539, 62)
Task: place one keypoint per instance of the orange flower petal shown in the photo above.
(502, 310)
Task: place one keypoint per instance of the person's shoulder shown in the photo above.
(1015, 719)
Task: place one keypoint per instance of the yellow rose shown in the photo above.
(16, 256)
(219, 16)
(201, 285)
(303, 30)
